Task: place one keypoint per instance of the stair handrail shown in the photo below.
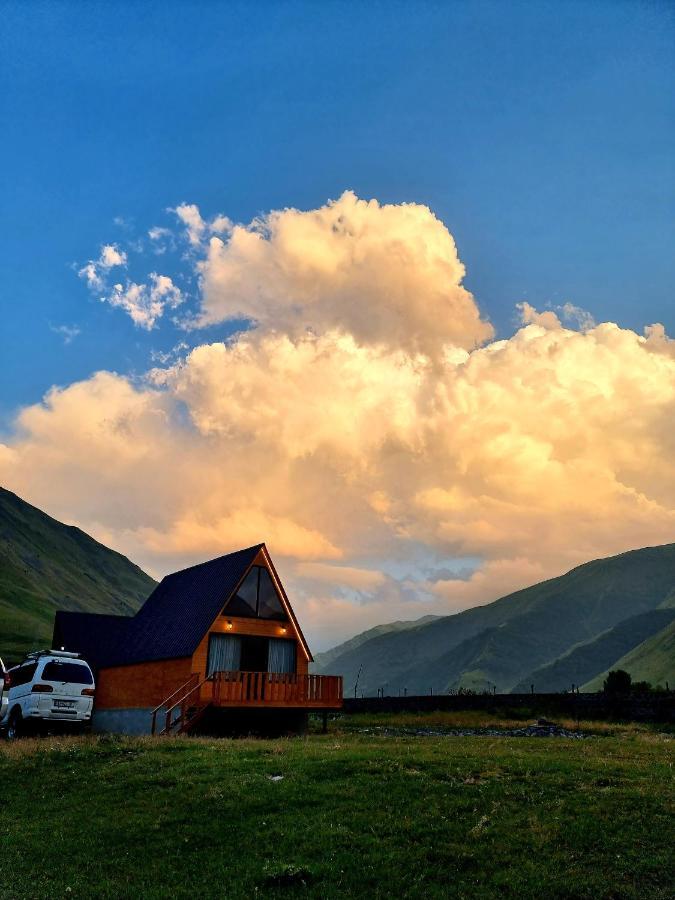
(168, 724)
(170, 697)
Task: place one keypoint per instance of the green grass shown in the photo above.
(355, 815)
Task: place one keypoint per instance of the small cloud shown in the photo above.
(196, 227)
(145, 303)
(161, 240)
(569, 313)
(67, 332)
(94, 271)
(531, 316)
(169, 357)
(578, 316)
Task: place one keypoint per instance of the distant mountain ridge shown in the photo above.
(46, 565)
(538, 635)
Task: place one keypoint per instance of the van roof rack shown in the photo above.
(36, 654)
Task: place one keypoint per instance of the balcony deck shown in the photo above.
(271, 689)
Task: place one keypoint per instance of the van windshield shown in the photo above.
(74, 673)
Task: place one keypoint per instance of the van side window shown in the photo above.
(23, 674)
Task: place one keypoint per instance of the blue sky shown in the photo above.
(541, 134)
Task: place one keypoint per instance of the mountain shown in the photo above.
(46, 565)
(505, 644)
(653, 660)
(580, 664)
(322, 661)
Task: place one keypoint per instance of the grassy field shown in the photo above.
(355, 814)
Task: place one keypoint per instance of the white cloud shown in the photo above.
(95, 270)
(67, 332)
(386, 274)
(197, 229)
(576, 315)
(161, 239)
(382, 432)
(530, 316)
(145, 303)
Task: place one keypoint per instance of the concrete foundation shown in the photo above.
(122, 721)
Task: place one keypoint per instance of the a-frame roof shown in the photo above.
(172, 621)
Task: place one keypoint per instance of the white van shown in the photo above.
(51, 688)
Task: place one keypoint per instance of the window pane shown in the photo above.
(23, 674)
(224, 653)
(244, 601)
(270, 606)
(281, 655)
(72, 673)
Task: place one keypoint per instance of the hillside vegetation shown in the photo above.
(45, 566)
(523, 638)
(652, 661)
(582, 662)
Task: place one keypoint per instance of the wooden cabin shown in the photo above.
(210, 642)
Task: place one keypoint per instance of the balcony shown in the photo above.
(183, 709)
(271, 689)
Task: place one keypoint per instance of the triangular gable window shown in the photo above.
(256, 598)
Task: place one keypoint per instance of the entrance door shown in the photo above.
(253, 654)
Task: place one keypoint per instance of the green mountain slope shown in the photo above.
(653, 660)
(582, 662)
(45, 566)
(502, 643)
(322, 661)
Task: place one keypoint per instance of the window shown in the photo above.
(22, 674)
(224, 653)
(281, 655)
(269, 605)
(257, 598)
(67, 672)
(245, 601)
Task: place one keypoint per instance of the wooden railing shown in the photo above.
(272, 689)
(184, 712)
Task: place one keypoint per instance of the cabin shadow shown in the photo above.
(268, 723)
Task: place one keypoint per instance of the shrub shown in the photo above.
(617, 682)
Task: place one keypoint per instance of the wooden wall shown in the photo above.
(256, 627)
(141, 685)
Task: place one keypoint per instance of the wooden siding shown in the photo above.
(141, 685)
(255, 627)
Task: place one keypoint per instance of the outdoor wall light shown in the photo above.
(229, 625)
(283, 629)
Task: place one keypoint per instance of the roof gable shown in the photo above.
(175, 617)
(180, 610)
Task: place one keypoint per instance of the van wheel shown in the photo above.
(14, 725)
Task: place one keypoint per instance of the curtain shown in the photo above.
(224, 653)
(281, 655)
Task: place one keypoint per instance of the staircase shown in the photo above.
(181, 710)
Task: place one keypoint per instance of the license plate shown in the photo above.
(64, 704)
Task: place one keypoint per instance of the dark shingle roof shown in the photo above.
(171, 622)
(93, 635)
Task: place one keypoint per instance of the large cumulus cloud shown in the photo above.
(384, 273)
(366, 422)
